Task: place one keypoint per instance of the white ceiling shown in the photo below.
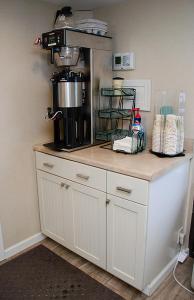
(85, 4)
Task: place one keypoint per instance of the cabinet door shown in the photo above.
(56, 214)
(89, 214)
(126, 237)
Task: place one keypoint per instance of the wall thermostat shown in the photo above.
(123, 61)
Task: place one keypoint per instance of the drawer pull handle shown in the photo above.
(83, 176)
(119, 188)
(48, 165)
(65, 185)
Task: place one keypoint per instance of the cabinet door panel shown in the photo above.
(89, 213)
(126, 234)
(56, 208)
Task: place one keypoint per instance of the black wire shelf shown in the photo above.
(115, 113)
(122, 92)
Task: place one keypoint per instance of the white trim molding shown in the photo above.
(143, 93)
(2, 252)
(150, 288)
(15, 249)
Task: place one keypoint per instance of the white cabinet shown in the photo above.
(56, 212)
(126, 237)
(133, 235)
(89, 218)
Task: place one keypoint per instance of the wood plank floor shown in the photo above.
(169, 290)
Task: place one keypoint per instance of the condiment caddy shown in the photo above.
(133, 140)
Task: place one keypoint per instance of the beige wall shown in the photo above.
(24, 96)
(161, 33)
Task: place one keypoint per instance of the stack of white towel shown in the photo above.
(127, 144)
(168, 134)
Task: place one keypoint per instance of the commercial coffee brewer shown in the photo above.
(84, 65)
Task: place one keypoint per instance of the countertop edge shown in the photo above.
(188, 156)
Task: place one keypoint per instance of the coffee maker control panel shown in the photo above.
(52, 39)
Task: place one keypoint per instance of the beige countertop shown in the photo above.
(143, 165)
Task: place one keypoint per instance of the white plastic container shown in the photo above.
(117, 84)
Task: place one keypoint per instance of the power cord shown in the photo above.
(175, 278)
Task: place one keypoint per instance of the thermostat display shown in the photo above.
(123, 61)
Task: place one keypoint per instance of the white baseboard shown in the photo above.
(15, 249)
(150, 288)
(2, 252)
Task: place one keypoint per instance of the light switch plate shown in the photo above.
(143, 92)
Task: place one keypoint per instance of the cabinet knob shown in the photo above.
(107, 201)
(48, 165)
(128, 191)
(82, 176)
(65, 185)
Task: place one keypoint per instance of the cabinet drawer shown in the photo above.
(84, 174)
(127, 187)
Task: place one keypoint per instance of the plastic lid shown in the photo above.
(66, 11)
(71, 77)
(118, 78)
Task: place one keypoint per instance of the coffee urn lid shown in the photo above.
(71, 77)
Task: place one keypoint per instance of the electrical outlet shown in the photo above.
(183, 255)
(180, 231)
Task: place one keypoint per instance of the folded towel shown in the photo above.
(127, 144)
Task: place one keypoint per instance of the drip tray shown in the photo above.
(55, 147)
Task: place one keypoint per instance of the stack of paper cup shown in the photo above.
(170, 135)
(180, 135)
(156, 134)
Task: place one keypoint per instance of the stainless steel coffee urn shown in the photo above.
(71, 90)
(71, 123)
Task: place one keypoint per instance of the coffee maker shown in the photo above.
(84, 65)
